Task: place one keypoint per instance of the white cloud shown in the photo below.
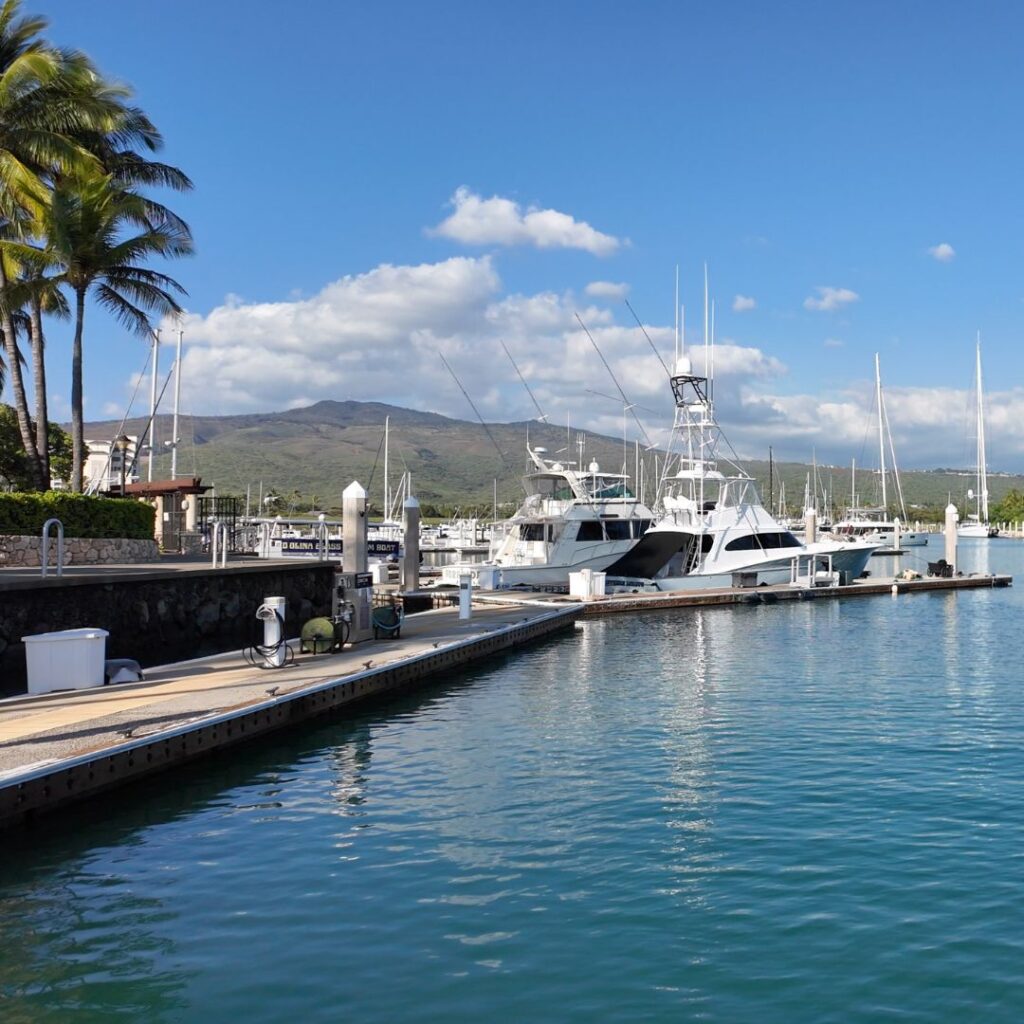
(607, 290)
(833, 343)
(742, 303)
(376, 336)
(943, 252)
(500, 221)
(830, 299)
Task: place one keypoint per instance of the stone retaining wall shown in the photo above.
(24, 551)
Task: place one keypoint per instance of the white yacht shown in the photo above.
(720, 532)
(573, 519)
(976, 524)
(873, 523)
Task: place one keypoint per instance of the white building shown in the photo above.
(103, 465)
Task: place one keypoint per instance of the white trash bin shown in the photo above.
(70, 659)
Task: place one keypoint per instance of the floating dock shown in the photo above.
(61, 747)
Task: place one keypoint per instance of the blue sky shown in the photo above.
(793, 146)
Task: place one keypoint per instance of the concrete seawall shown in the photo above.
(155, 615)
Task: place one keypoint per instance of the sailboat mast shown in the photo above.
(387, 495)
(982, 469)
(881, 432)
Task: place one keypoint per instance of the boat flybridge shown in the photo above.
(721, 534)
(572, 519)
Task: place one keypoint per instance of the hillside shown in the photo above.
(318, 450)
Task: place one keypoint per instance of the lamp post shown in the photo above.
(121, 443)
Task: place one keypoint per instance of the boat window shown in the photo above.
(590, 530)
(763, 542)
(707, 542)
(531, 531)
(613, 489)
(640, 527)
(617, 529)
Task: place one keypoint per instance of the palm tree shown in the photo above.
(33, 139)
(101, 233)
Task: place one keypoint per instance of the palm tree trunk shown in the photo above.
(18, 387)
(77, 424)
(39, 379)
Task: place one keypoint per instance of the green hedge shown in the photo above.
(81, 514)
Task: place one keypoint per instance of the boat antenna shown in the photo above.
(465, 393)
(615, 381)
(541, 414)
(676, 311)
(654, 348)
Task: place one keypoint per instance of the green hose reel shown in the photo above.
(318, 636)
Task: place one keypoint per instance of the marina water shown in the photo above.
(808, 811)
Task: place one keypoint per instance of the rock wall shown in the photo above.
(160, 617)
(24, 551)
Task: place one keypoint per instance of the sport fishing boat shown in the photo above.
(723, 535)
(572, 519)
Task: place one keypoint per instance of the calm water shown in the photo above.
(801, 812)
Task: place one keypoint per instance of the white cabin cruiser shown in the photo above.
(573, 519)
(725, 535)
(875, 526)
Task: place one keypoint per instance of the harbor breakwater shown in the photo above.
(157, 616)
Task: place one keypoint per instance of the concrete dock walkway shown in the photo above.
(62, 746)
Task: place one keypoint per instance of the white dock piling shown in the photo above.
(411, 545)
(353, 527)
(810, 526)
(950, 531)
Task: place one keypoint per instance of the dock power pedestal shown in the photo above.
(353, 595)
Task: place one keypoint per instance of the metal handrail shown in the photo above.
(44, 548)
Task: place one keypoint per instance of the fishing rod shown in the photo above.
(622, 394)
(483, 424)
(654, 348)
(541, 414)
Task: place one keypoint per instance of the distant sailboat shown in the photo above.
(976, 524)
(873, 522)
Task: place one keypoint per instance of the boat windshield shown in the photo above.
(611, 489)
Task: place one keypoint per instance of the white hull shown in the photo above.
(977, 531)
(504, 576)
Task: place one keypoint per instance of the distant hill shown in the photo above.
(319, 449)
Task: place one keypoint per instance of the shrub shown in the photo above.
(82, 515)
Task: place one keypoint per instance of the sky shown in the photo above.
(378, 185)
